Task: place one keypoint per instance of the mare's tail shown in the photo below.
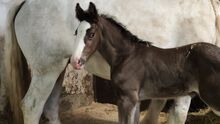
(15, 70)
(216, 8)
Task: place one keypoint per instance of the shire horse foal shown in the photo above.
(141, 71)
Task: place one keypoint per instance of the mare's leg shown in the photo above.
(51, 108)
(129, 108)
(40, 88)
(152, 115)
(178, 112)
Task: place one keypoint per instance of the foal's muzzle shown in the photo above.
(78, 63)
(82, 61)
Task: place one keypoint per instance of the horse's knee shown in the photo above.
(179, 111)
(176, 117)
(30, 111)
(128, 108)
(127, 102)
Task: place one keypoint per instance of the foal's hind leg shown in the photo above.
(152, 115)
(40, 88)
(51, 108)
(210, 94)
(178, 112)
(129, 108)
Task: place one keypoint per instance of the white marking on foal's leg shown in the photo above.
(179, 111)
(133, 112)
(216, 112)
(79, 42)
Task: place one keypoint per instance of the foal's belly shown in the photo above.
(154, 90)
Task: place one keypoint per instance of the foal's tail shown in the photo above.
(15, 70)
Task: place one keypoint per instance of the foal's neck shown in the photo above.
(115, 44)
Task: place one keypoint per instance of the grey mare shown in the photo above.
(45, 28)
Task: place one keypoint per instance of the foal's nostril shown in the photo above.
(78, 62)
(82, 61)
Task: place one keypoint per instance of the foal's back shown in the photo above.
(177, 71)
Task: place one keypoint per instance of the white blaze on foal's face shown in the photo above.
(79, 43)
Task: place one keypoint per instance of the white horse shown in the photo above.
(45, 34)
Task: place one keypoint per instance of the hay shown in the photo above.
(204, 116)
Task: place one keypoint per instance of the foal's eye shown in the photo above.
(91, 35)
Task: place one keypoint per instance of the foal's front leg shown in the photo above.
(129, 108)
(153, 112)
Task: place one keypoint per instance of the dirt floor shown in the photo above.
(96, 113)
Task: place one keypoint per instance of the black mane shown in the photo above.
(124, 31)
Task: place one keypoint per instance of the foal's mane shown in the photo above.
(124, 31)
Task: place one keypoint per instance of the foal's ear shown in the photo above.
(80, 13)
(90, 15)
(93, 11)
